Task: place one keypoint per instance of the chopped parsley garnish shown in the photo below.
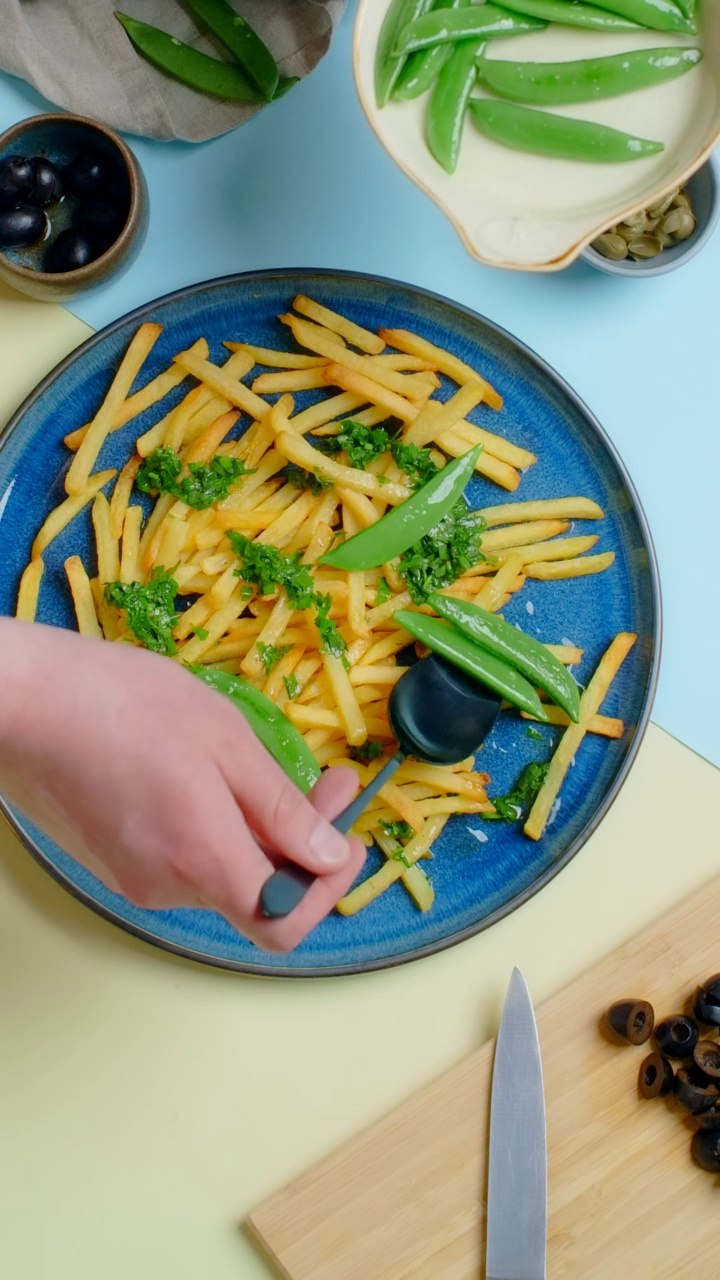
(315, 481)
(444, 554)
(206, 484)
(272, 653)
(513, 806)
(417, 463)
(266, 568)
(399, 856)
(369, 750)
(361, 444)
(201, 633)
(331, 640)
(533, 733)
(150, 609)
(398, 830)
(292, 686)
(384, 591)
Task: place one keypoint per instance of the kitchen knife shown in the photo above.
(517, 1176)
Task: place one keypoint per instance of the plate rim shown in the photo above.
(244, 279)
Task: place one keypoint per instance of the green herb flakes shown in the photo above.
(150, 609)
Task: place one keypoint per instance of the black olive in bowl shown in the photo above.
(47, 183)
(16, 181)
(22, 226)
(72, 249)
(102, 219)
(89, 174)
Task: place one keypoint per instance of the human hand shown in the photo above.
(158, 786)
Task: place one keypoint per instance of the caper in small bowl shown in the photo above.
(655, 240)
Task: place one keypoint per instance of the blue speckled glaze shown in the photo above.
(476, 881)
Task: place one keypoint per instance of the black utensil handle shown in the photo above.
(286, 887)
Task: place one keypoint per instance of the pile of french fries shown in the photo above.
(337, 706)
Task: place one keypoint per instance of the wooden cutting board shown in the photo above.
(405, 1200)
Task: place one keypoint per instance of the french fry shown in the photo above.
(172, 543)
(215, 626)
(524, 533)
(88, 624)
(244, 498)
(61, 516)
(560, 549)
(430, 424)
(29, 590)
(369, 890)
(122, 491)
(407, 809)
(129, 559)
(78, 474)
(495, 445)
(606, 726)
(211, 406)
(378, 675)
(268, 384)
(271, 633)
(590, 703)
(297, 450)
(542, 509)
(108, 556)
(491, 594)
(286, 524)
(413, 878)
(413, 386)
(203, 448)
(274, 686)
(403, 363)
(143, 399)
(350, 713)
(385, 648)
(494, 468)
(224, 384)
(338, 324)
(325, 410)
(276, 359)
(337, 375)
(179, 420)
(444, 361)
(552, 570)
(370, 417)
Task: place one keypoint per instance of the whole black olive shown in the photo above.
(16, 180)
(71, 250)
(22, 226)
(693, 1092)
(706, 1055)
(631, 1020)
(677, 1036)
(709, 1119)
(47, 184)
(88, 174)
(712, 986)
(707, 1006)
(706, 1150)
(102, 219)
(656, 1076)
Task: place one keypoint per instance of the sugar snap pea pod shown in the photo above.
(552, 84)
(546, 134)
(284, 742)
(388, 65)
(421, 69)
(491, 671)
(444, 26)
(241, 41)
(658, 15)
(571, 13)
(409, 522)
(521, 651)
(448, 105)
(182, 62)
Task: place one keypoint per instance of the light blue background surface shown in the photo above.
(307, 184)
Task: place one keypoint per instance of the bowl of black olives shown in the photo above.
(73, 206)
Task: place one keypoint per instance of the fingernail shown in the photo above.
(328, 846)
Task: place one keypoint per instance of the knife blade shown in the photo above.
(517, 1177)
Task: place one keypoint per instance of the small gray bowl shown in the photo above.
(60, 137)
(704, 191)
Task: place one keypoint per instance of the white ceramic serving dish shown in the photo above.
(531, 213)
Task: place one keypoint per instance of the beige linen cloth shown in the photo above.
(76, 54)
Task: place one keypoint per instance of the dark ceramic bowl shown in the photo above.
(61, 137)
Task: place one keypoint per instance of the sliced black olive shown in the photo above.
(16, 181)
(88, 174)
(47, 182)
(706, 1056)
(22, 226)
(631, 1020)
(102, 219)
(693, 1092)
(707, 1005)
(656, 1076)
(710, 1119)
(71, 250)
(706, 1150)
(677, 1036)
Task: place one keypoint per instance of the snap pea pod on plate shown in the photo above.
(587, 80)
(484, 666)
(284, 742)
(658, 15)
(388, 66)
(443, 26)
(448, 105)
(561, 137)
(408, 522)
(524, 652)
(571, 13)
(421, 68)
(182, 62)
(241, 41)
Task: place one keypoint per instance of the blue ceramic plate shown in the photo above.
(482, 870)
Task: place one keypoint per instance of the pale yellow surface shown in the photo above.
(147, 1103)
